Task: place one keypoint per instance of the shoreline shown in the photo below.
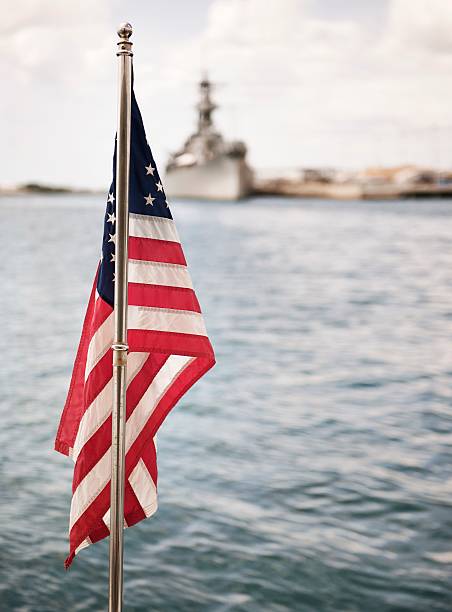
(351, 191)
(287, 188)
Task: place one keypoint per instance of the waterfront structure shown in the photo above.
(207, 166)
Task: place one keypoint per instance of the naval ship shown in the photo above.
(208, 166)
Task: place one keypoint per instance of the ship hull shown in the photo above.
(220, 179)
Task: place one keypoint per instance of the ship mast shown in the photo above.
(205, 107)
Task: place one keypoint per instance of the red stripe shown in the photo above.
(100, 505)
(142, 380)
(81, 395)
(89, 521)
(149, 456)
(93, 450)
(101, 312)
(132, 506)
(183, 382)
(91, 524)
(99, 532)
(74, 406)
(160, 296)
(171, 343)
(149, 249)
(98, 378)
(135, 516)
(100, 441)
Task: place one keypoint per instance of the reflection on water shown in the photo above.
(310, 470)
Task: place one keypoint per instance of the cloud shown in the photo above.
(276, 65)
(42, 40)
(301, 86)
(331, 90)
(414, 26)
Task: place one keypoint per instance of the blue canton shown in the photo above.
(146, 197)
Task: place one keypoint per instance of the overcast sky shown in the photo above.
(304, 82)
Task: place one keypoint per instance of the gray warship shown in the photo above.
(208, 167)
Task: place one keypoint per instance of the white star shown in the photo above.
(111, 218)
(101, 256)
(150, 170)
(166, 202)
(113, 258)
(111, 198)
(149, 199)
(159, 186)
(114, 277)
(112, 237)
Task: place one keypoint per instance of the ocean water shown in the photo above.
(311, 470)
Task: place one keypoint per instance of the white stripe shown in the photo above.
(158, 273)
(99, 344)
(144, 488)
(146, 226)
(90, 487)
(100, 409)
(93, 483)
(83, 545)
(93, 415)
(149, 511)
(106, 519)
(171, 369)
(166, 320)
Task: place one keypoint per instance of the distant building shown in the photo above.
(317, 175)
(398, 175)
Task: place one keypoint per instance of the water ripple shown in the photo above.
(310, 470)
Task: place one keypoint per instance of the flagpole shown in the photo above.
(119, 346)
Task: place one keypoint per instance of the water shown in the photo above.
(309, 471)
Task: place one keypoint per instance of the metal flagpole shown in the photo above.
(119, 346)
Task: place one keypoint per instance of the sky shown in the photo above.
(344, 83)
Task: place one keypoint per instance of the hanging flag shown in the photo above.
(168, 352)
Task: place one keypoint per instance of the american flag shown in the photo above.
(168, 352)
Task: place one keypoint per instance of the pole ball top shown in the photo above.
(125, 30)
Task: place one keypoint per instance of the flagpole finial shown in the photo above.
(125, 30)
(125, 45)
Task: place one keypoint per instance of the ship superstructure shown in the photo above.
(208, 166)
